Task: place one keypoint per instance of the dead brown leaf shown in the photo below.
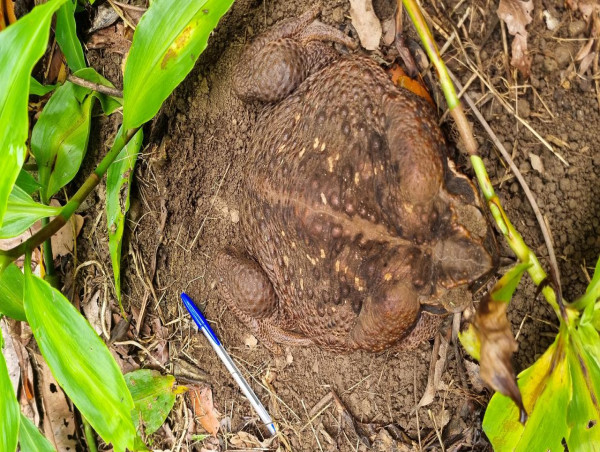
(497, 348)
(586, 7)
(366, 23)
(204, 409)
(516, 15)
(436, 368)
(59, 420)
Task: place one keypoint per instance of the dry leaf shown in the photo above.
(433, 380)
(10, 355)
(497, 347)
(245, 440)
(586, 7)
(203, 407)
(91, 310)
(366, 23)
(105, 17)
(473, 374)
(62, 241)
(59, 421)
(516, 15)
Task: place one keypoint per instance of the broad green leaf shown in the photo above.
(80, 362)
(506, 286)
(592, 293)
(27, 182)
(66, 36)
(158, 62)
(584, 410)
(153, 395)
(470, 341)
(38, 89)
(59, 139)
(21, 45)
(118, 184)
(22, 212)
(109, 104)
(11, 293)
(501, 421)
(9, 408)
(31, 439)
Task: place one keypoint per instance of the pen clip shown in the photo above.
(199, 317)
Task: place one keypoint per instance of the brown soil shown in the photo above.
(192, 166)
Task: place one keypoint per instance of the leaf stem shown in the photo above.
(121, 140)
(89, 435)
(49, 258)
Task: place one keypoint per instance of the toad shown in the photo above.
(356, 228)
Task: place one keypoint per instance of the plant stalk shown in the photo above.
(8, 256)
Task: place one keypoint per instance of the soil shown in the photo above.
(190, 178)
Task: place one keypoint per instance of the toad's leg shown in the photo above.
(280, 59)
(425, 328)
(247, 291)
(385, 317)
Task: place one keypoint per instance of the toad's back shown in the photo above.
(345, 217)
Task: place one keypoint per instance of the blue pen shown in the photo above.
(231, 367)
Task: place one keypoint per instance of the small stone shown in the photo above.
(562, 54)
(235, 216)
(550, 65)
(576, 28)
(250, 341)
(536, 163)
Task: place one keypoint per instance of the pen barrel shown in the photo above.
(263, 414)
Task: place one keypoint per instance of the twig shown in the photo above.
(95, 86)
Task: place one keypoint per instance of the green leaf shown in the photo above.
(80, 362)
(153, 396)
(60, 137)
(546, 391)
(9, 408)
(66, 36)
(584, 411)
(27, 182)
(21, 45)
(505, 288)
(109, 104)
(22, 212)
(592, 293)
(11, 293)
(118, 184)
(37, 89)
(469, 339)
(31, 439)
(158, 62)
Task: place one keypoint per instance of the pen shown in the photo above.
(231, 367)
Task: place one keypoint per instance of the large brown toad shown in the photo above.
(355, 229)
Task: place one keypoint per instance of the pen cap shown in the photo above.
(199, 317)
